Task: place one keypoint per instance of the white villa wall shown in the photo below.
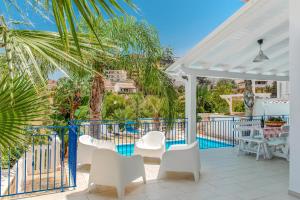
(271, 107)
(283, 89)
(294, 74)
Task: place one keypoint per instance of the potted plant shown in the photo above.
(275, 122)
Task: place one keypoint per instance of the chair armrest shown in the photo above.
(178, 147)
(178, 159)
(177, 154)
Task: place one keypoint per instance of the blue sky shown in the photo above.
(181, 24)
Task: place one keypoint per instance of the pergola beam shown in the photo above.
(242, 47)
(277, 56)
(232, 75)
(244, 60)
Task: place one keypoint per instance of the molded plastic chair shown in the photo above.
(111, 169)
(151, 145)
(181, 158)
(279, 146)
(86, 146)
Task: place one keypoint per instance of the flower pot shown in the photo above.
(274, 123)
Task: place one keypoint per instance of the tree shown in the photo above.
(203, 103)
(203, 81)
(138, 53)
(112, 103)
(208, 98)
(36, 53)
(31, 55)
(134, 101)
(65, 14)
(167, 58)
(238, 106)
(223, 87)
(248, 98)
(69, 96)
(26, 107)
(155, 108)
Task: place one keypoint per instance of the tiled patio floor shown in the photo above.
(224, 176)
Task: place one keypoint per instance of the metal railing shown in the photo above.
(219, 132)
(45, 161)
(125, 134)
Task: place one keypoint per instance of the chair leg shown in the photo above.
(161, 174)
(121, 192)
(89, 187)
(258, 151)
(196, 176)
(144, 179)
(239, 148)
(266, 151)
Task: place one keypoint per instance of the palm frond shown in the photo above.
(139, 54)
(65, 13)
(36, 53)
(15, 114)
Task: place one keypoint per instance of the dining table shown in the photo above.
(270, 132)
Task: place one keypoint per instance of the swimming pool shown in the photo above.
(127, 149)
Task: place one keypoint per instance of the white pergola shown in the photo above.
(229, 98)
(228, 52)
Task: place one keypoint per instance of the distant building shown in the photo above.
(260, 86)
(116, 75)
(283, 89)
(117, 81)
(125, 87)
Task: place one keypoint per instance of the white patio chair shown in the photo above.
(181, 158)
(111, 169)
(86, 146)
(279, 146)
(250, 138)
(151, 145)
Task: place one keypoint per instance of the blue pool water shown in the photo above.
(127, 149)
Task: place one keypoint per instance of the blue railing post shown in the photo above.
(233, 132)
(62, 157)
(73, 152)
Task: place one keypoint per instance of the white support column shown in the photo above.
(283, 89)
(190, 107)
(279, 89)
(294, 68)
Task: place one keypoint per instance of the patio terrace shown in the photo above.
(224, 176)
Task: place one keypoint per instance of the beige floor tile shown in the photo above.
(224, 176)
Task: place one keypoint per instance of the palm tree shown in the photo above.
(33, 54)
(125, 43)
(248, 98)
(139, 53)
(26, 108)
(154, 107)
(37, 53)
(65, 14)
(69, 95)
(168, 57)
